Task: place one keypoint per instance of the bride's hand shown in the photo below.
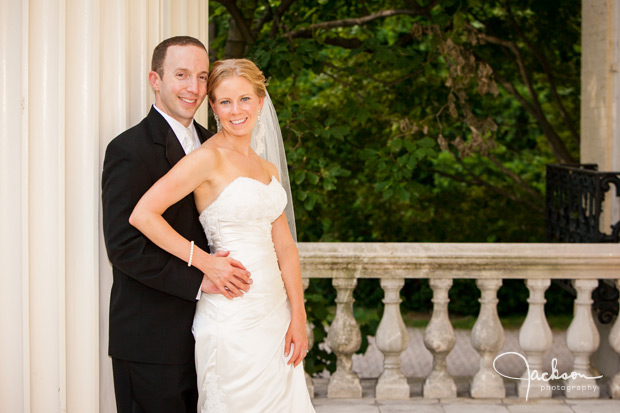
(296, 335)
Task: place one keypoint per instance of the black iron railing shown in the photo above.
(575, 195)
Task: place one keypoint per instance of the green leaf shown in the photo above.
(426, 142)
(402, 160)
(313, 178)
(396, 144)
(299, 176)
(413, 161)
(309, 202)
(387, 194)
(339, 132)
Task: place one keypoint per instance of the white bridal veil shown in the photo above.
(267, 143)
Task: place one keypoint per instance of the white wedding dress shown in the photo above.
(240, 359)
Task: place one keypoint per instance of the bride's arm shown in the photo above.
(288, 259)
(228, 275)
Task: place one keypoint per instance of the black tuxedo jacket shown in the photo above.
(153, 296)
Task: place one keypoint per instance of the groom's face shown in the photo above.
(183, 86)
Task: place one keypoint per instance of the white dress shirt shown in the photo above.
(180, 131)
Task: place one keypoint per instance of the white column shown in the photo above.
(582, 339)
(82, 203)
(14, 373)
(439, 339)
(487, 337)
(392, 339)
(46, 204)
(112, 121)
(138, 91)
(600, 92)
(535, 339)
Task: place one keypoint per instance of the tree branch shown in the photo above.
(387, 83)
(274, 15)
(557, 145)
(555, 142)
(516, 178)
(242, 24)
(545, 65)
(348, 85)
(354, 21)
(477, 181)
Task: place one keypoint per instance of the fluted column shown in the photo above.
(113, 119)
(344, 339)
(14, 373)
(139, 93)
(582, 339)
(46, 219)
(535, 339)
(487, 337)
(186, 17)
(439, 339)
(310, 333)
(81, 204)
(614, 341)
(392, 339)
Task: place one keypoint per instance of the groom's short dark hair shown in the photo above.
(159, 53)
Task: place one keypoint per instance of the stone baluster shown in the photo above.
(310, 333)
(614, 342)
(582, 339)
(392, 339)
(439, 339)
(344, 339)
(535, 339)
(487, 337)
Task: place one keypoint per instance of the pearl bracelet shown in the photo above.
(191, 254)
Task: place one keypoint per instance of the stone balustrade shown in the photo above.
(488, 264)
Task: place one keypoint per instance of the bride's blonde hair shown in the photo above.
(223, 69)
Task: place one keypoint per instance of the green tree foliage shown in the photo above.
(414, 121)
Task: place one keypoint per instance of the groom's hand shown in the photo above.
(227, 276)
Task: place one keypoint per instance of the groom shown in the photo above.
(154, 294)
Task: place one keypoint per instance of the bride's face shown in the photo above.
(237, 106)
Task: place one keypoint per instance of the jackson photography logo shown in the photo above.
(534, 375)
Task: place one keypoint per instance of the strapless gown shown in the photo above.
(240, 360)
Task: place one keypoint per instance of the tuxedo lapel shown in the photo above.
(203, 133)
(174, 150)
(163, 134)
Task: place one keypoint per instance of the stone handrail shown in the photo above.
(488, 264)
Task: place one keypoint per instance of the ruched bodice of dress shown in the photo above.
(240, 361)
(239, 221)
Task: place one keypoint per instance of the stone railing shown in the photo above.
(488, 264)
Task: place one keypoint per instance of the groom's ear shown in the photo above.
(154, 80)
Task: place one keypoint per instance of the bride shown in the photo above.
(249, 344)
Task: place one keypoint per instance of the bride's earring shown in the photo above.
(218, 123)
(260, 134)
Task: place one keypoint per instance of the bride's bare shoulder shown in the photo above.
(209, 152)
(270, 168)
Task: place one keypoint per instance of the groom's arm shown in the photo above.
(126, 177)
